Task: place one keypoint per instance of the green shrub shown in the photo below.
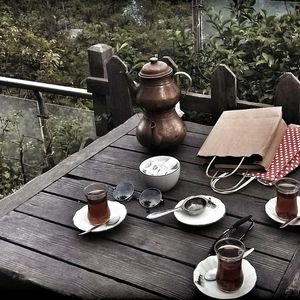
(258, 48)
(23, 157)
(14, 147)
(66, 136)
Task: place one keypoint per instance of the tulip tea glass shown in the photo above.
(286, 204)
(230, 275)
(96, 196)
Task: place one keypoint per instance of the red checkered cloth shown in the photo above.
(286, 159)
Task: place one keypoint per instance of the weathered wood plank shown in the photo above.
(119, 105)
(98, 56)
(191, 171)
(197, 174)
(32, 270)
(72, 188)
(196, 102)
(98, 86)
(196, 128)
(290, 285)
(223, 90)
(236, 205)
(185, 247)
(193, 139)
(287, 95)
(103, 256)
(162, 240)
(182, 152)
(40, 182)
(243, 104)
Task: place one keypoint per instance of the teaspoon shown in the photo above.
(110, 221)
(290, 222)
(193, 205)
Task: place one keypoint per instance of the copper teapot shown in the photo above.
(157, 94)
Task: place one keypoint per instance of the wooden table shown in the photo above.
(40, 249)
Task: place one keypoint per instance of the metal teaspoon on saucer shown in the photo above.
(193, 205)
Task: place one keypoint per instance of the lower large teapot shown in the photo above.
(161, 131)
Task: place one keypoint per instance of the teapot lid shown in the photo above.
(155, 69)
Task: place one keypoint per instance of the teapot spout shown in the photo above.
(155, 137)
(133, 85)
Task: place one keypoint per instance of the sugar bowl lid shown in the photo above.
(155, 69)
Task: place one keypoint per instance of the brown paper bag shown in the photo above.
(240, 141)
(254, 134)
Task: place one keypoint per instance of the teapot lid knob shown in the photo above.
(153, 60)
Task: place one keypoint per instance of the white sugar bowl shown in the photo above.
(161, 172)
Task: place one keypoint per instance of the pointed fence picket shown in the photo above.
(111, 94)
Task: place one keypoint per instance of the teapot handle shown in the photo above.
(189, 80)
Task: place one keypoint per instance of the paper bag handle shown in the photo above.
(225, 174)
(242, 183)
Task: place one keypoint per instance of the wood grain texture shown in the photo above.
(223, 90)
(119, 104)
(103, 256)
(37, 274)
(140, 258)
(280, 246)
(98, 86)
(181, 245)
(287, 95)
(189, 154)
(290, 284)
(98, 56)
(196, 102)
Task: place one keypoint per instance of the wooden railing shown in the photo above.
(112, 103)
(38, 88)
(110, 92)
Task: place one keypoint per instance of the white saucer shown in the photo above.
(82, 222)
(210, 215)
(271, 212)
(210, 287)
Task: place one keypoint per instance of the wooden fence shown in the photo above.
(112, 99)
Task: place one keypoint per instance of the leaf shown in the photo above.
(265, 56)
(260, 62)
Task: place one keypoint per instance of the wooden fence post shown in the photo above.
(98, 56)
(287, 95)
(120, 105)
(223, 91)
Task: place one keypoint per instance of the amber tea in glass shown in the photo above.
(286, 203)
(230, 275)
(96, 196)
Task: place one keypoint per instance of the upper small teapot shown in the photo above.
(157, 90)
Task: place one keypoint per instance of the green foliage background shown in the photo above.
(35, 42)
(23, 157)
